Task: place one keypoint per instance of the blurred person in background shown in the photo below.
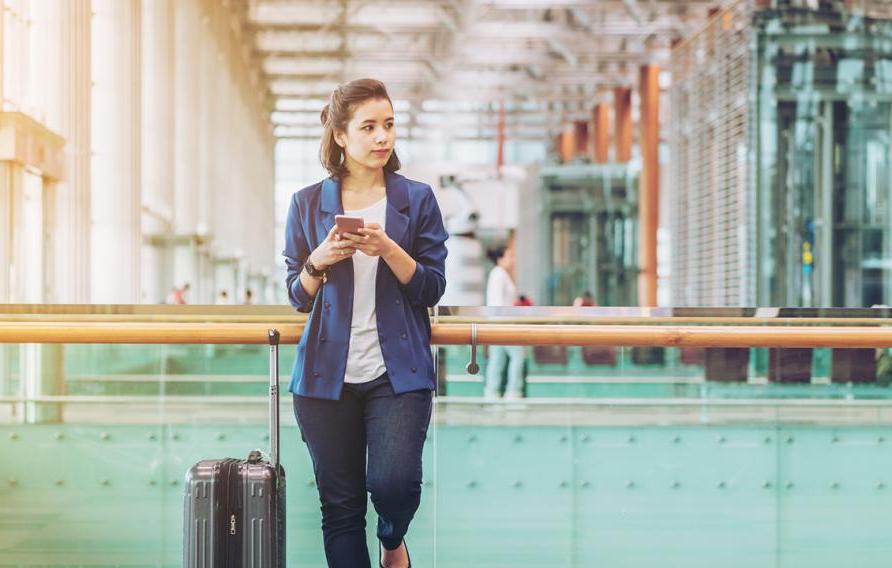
(223, 298)
(523, 300)
(584, 301)
(178, 295)
(502, 291)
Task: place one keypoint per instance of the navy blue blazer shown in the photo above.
(414, 222)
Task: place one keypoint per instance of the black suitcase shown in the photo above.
(235, 509)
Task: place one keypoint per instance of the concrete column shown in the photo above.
(52, 283)
(205, 270)
(62, 50)
(226, 275)
(500, 137)
(2, 45)
(649, 197)
(7, 225)
(116, 193)
(21, 230)
(32, 162)
(601, 124)
(6, 221)
(622, 110)
(208, 92)
(187, 31)
(41, 368)
(28, 253)
(14, 95)
(157, 146)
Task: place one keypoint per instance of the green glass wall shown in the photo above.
(822, 152)
(589, 227)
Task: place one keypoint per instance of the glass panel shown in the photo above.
(821, 148)
(98, 439)
(611, 446)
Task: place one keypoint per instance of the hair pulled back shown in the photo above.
(337, 114)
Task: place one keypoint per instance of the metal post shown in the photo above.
(273, 336)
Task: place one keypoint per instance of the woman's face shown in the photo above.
(368, 141)
(509, 258)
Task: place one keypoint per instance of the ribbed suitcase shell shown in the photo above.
(235, 509)
(218, 533)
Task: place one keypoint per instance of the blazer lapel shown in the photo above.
(331, 205)
(397, 222)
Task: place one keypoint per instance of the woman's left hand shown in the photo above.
(372, 240)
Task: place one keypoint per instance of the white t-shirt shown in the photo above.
(500, 288)
(364, 359)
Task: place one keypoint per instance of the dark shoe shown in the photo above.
(381, 562)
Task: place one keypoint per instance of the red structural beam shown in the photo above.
(649, 194)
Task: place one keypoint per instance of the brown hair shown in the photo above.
(338, 112)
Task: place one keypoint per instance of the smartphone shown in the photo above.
(348, 224)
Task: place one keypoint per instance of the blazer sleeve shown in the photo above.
(296, 252)
(427, 285)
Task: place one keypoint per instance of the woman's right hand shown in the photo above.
(332, 250)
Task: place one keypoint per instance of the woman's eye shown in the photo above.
(388, 126)
(369, 128)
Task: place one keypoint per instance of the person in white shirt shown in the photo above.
(502, 291)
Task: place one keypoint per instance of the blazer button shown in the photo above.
(327, 305)
(321, 340)
(315, 373)
(414, 369)
(398, 302)
(404, 336)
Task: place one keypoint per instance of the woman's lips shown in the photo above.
(381, 152)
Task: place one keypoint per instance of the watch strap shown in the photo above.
(313, 271)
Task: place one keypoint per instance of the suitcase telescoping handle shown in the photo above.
(273, 397)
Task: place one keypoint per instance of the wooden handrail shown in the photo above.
(460, 334)
(276, 320)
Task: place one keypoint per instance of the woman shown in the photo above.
(364, 376)
(502, 291)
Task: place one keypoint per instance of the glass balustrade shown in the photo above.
(614, 455)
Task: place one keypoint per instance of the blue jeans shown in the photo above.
(499, 356)
(369, 417)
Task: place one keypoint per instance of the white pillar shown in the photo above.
(15, 61)
(28, 252)
(115, 200)
(186, 138)
(6, 221)
(207, 92)
(61, 29)
(157, 145)
(18, 231)
(7, 225)
(2, 43)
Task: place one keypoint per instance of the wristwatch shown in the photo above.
(313, 271)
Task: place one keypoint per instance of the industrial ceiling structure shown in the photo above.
(454, 62)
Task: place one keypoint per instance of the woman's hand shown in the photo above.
(372, 240)
(332, 250)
